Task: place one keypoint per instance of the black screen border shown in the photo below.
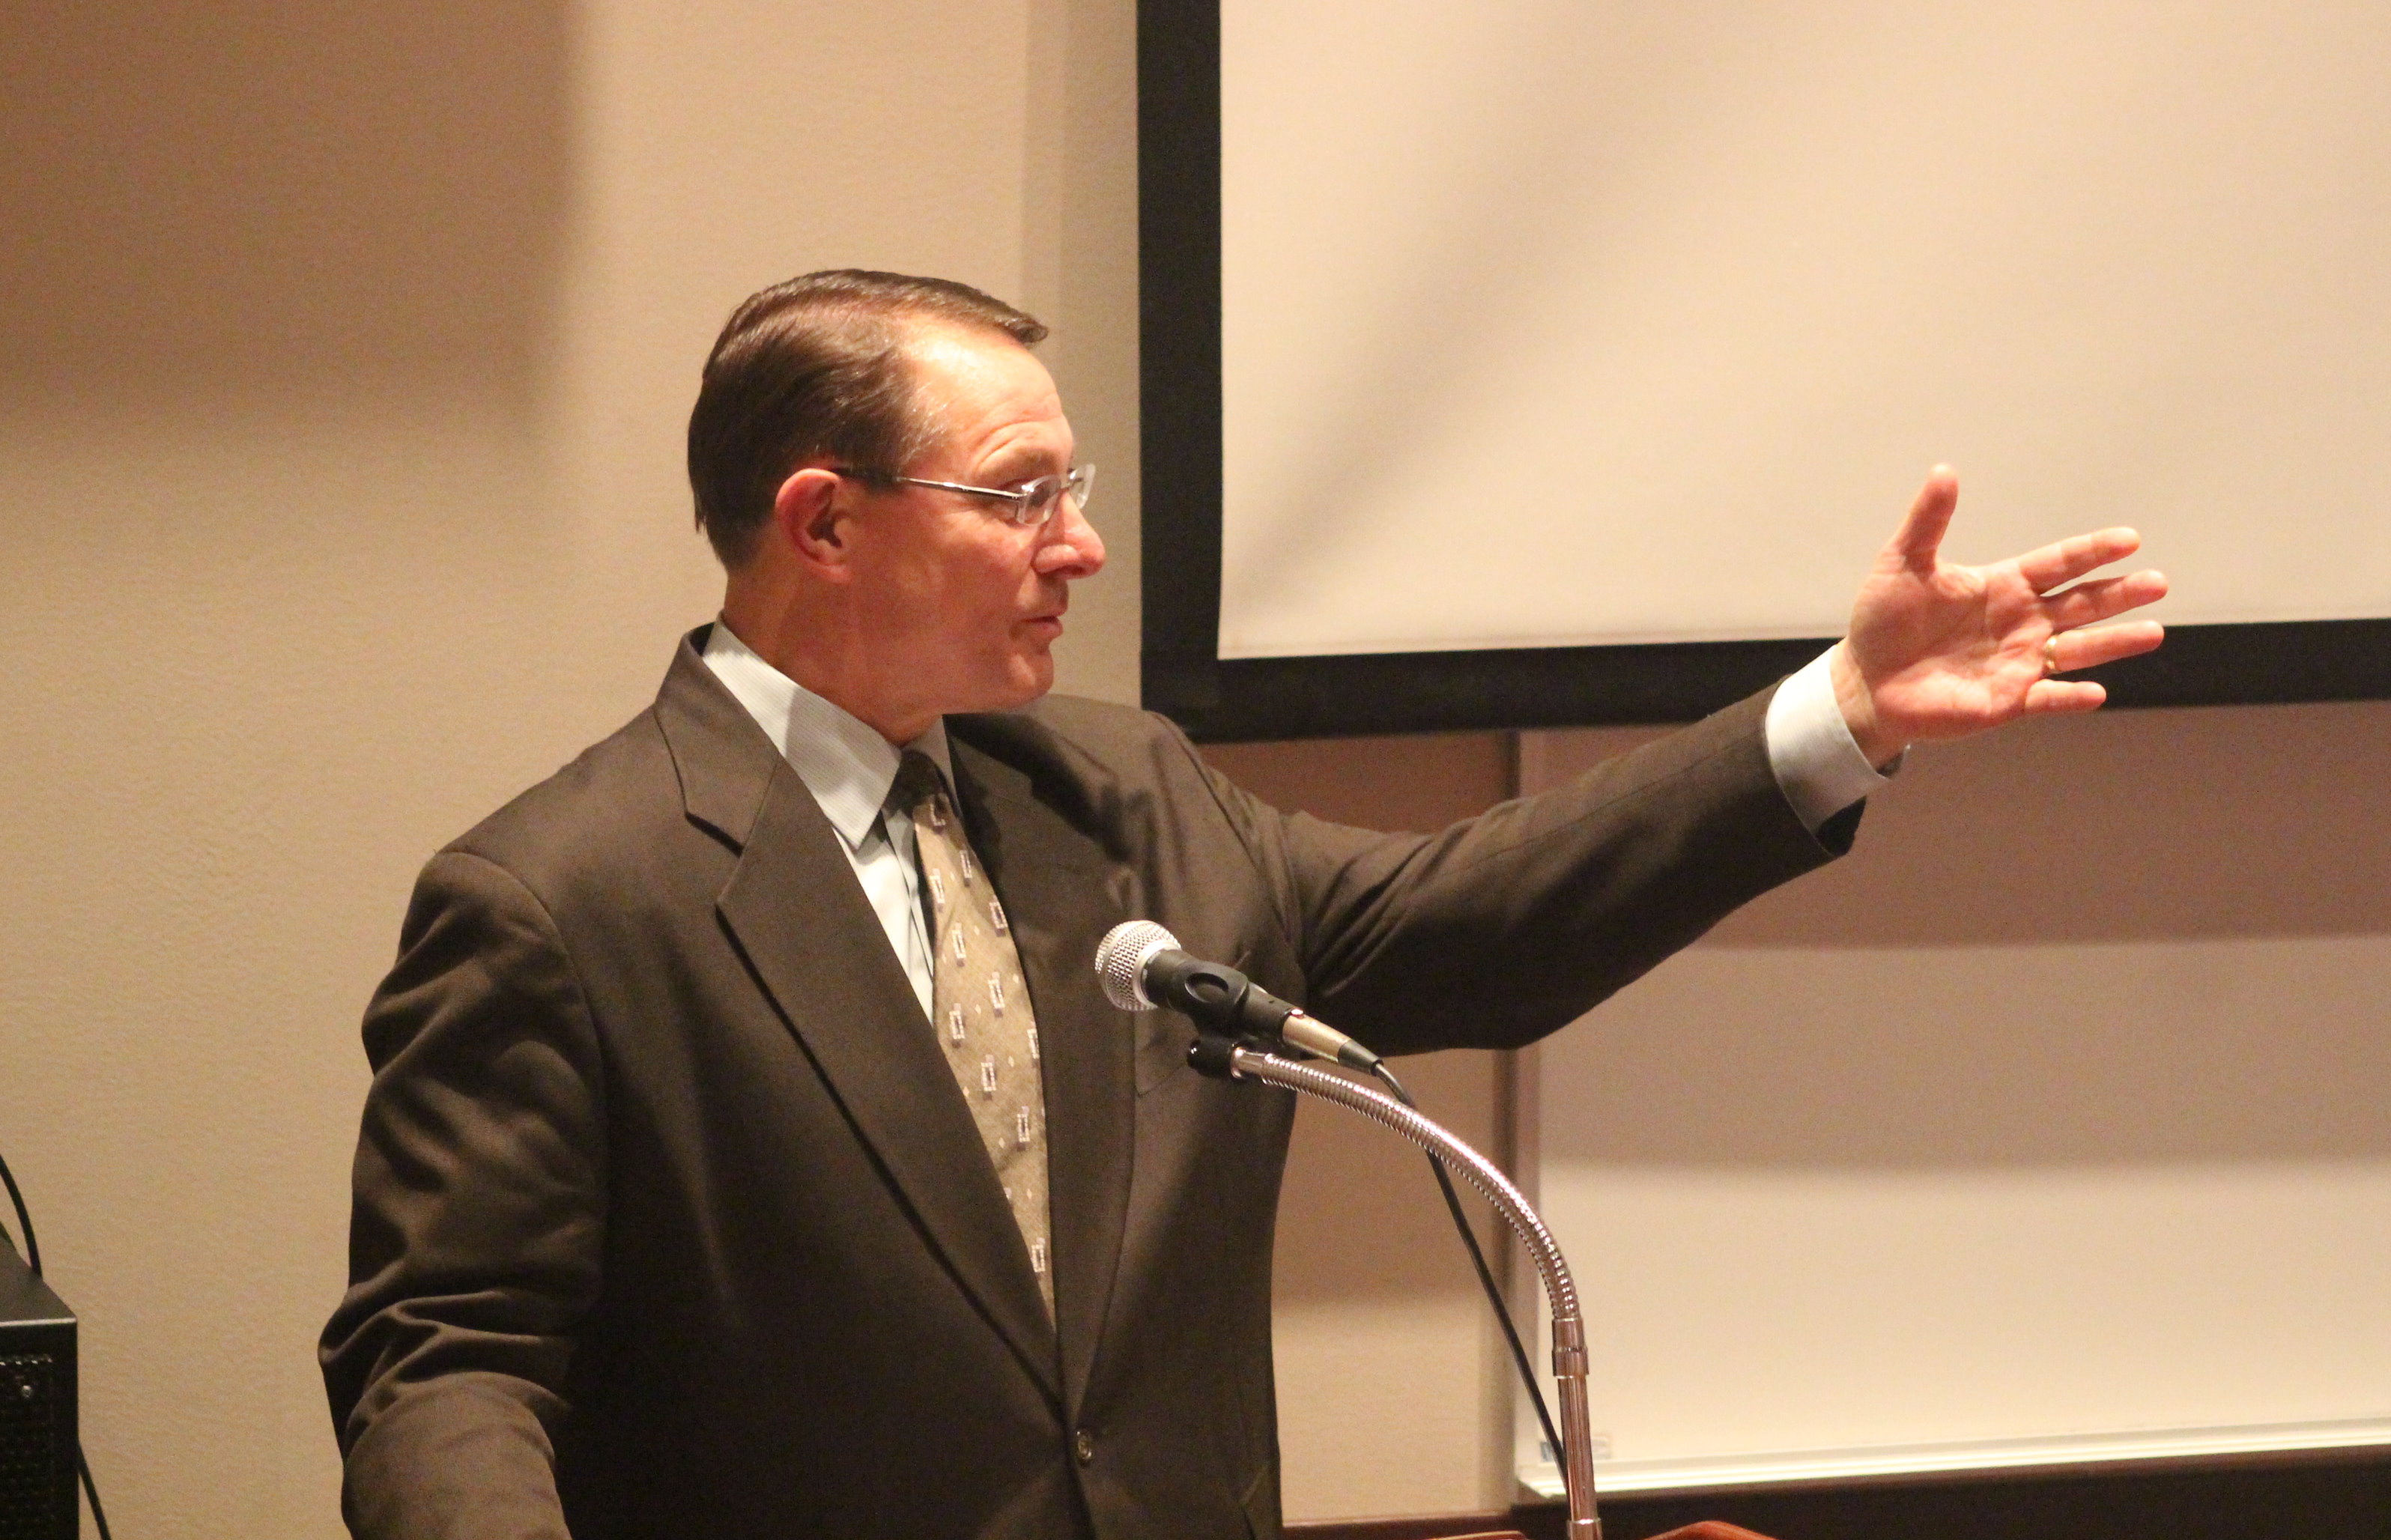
(1181, 673)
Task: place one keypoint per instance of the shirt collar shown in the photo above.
(843, 760)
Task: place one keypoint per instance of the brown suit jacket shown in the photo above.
(669, 1218)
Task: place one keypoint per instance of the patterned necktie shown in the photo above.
(980, 1006)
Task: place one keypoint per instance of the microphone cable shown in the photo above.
(1485, 1274)
(24, 1220)
(34, 1266)
(1227, 1001)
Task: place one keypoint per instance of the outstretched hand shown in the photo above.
(1936, 650)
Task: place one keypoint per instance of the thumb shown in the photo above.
(1919, 541)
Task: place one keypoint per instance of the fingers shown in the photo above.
(1920, 534)
(2063, 697)
(2089, 649)
(2088, 603)
(2070, 559)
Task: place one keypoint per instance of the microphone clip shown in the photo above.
(1214, 1053)
(1229, 1012)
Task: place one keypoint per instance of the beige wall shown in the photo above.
(2101, 996)
(346, 361)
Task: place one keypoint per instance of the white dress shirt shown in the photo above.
(1818, 764)
(850, 768)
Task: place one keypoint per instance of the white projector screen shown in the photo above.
(1544, 323)
(1555, 322)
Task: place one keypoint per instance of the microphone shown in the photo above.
(1142, 966)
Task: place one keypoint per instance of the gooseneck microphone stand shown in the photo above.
(1226, 1057)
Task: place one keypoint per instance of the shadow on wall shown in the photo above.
(2133, 938)
(2233, 821)
(205, 206)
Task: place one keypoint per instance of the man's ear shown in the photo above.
(812, 512)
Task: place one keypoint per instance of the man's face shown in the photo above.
(959, 608)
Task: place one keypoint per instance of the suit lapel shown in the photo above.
(1062, 895)
(801, 920)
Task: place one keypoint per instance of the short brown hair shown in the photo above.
(817, 367)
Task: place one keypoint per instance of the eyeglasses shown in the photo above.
(1032, 502)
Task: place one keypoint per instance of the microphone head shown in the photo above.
(1121, 957)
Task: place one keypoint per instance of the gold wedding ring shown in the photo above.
(2049, 655)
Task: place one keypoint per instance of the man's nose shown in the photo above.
(1075, 550)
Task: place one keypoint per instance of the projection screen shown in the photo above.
(1538, 362)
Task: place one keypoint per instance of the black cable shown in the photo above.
(1485, 1274)
(33, 1264)
(83, 1468)
(24, 1221)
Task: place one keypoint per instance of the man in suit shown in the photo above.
(751, 1151)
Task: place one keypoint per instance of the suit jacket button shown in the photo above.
(1083, 1448)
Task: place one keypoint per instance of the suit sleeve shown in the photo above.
(1508, 926)
(477, 1222)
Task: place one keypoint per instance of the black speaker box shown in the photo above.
(37, 1408)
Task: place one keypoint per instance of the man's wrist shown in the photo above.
(1857, 703)
(1818, 763)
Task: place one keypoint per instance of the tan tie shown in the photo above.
(980, 1006)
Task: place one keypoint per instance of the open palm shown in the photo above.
(1937, 650)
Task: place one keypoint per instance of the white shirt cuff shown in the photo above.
(1818, 765)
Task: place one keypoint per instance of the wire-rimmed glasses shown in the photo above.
(1032, 502)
